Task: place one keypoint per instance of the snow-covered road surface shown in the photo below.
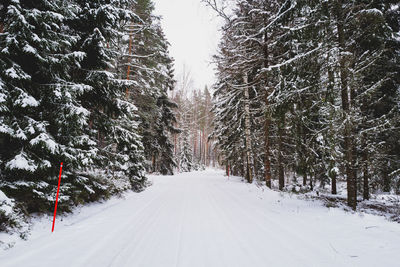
(203, 219)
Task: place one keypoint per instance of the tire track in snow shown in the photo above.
(252, 258)
(139, 229)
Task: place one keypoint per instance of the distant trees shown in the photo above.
(194, 146)
(319, 81)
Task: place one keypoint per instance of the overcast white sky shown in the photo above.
(192, 30)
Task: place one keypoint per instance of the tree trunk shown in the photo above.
(348, 146)
(305, 179)
(249, 158)
(175, 143)
(195, 145)
(207, 154)
(281, 174)
(267, 161)
(330, 98)
(153, 162)
(386, 180)
(334, 187)
(201, 147)
(204, 148)
(365, 177)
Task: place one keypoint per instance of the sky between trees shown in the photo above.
(192, 30)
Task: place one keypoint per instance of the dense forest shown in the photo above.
(307, 93)
(310, 89)
(285, 141)
(84, 83)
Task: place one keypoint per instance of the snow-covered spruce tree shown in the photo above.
(328, 86)
(302, 94)
(361, 51)
(184, 147)
(186, 153)
(165, 127)
(236, 92)
(375, 75)
(165, 124)
(112, 120)
(41, 120)
(152, 70)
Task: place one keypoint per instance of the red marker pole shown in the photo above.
(58, 190)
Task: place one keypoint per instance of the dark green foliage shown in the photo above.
(153, 66)
(324, 80)
(63, 98)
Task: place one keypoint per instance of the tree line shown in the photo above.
(310, 88)
(193, 148)
(84, 83)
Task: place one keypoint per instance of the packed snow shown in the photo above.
(206, 219)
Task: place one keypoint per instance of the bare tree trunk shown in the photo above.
(195, 145)
(200, 148)
(175, 143)
(281, 174)
(267, 161)
(348, 146)
(153, 162)
(204, 148)
(334, 187)
(249, 158)
(366, 177)
(386, 180)
(331, 99)
(207, 154)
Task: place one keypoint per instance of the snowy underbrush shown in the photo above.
(191, 168)
(12, 220)
(382, 204)
(75, 190)
(389, 208)
(39, 224)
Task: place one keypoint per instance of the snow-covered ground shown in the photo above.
(204, 219)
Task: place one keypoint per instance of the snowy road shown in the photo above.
(203, 219)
